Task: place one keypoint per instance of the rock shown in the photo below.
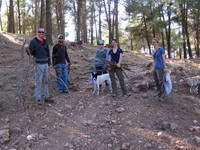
(120, 109)
(125, 146)
(195, 121)
(144, 95)
(195, 128)
(148, 145)
(164, 125)
(4, 135)
(173, 126)
(109, 145)
(197, 139)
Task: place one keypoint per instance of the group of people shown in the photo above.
(106, 60)
(39, 49)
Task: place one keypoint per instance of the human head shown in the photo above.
(114, 43)
(155, 42)
(60, 38)
(40, 33)
(100, 43)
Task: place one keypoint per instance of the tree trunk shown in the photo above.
(197, 33)
(42, 14)
(108, 18)
(146, 34)
(79, 9)
(187, 34)
(60, 15)
(19, 16)
(84, 22)
(11, 21)
(36, 16)
(182, 8)
(48, 22)
(75, 18)
(169, 32)
(100, 32)
(92, 22)
(116, 20)
(1, 25)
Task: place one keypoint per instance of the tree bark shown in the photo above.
(100, 11)
(1, 24)
(108, 18)
(42, 14)
(197, 33)
(146, 33)
(79, 9)
(48, 22)
(92, 22)
(116, 20)
(182, 8)
(11, 21)
(84, 22)
(187, 33)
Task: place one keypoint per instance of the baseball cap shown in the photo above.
(60, 36)
(100, 42)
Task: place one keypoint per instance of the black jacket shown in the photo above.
(40, 51)
(60, 55)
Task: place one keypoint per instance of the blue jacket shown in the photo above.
(40, 51)
(101, 57)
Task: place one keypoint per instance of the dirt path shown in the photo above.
(83, 121)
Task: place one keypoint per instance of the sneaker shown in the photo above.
(39, 102)
(66, 92)
(113, 95)
(48, 100)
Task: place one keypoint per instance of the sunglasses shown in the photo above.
(40, 31)
(60, 38)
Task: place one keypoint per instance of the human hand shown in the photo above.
(118, 65)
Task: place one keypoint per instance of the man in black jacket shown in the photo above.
(39, 49)
(59, 57)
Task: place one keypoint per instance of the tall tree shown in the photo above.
(92, 21)
(42, 14)
(79, 11)
(99, 5)
(19, 16)
(11, 21)
(1, 25)
(84, 22)
(49, 22)
(116, 20)
(60, 14)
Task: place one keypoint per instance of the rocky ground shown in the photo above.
(83, 121)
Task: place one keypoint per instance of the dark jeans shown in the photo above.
(159, 79)
(118, 72)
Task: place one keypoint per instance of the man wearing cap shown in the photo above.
(39, 49)
(99, 62)
(59, 57)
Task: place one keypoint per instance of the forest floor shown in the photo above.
(84, 121)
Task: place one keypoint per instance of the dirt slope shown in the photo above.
(83, 121)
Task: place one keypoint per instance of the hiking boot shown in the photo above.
(48, 100)
(39, 102)
(65, 92)
(113, 95)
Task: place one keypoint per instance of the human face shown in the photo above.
(61, 39)
(114, 43)
(154, 43)
(41, 33)
(101, 45)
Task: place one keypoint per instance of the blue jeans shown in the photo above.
(41, 81)
(62, 77)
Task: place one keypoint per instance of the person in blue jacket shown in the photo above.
(159, 66)
(39, 49)
(101, 58)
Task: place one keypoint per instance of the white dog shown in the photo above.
(101, 80)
